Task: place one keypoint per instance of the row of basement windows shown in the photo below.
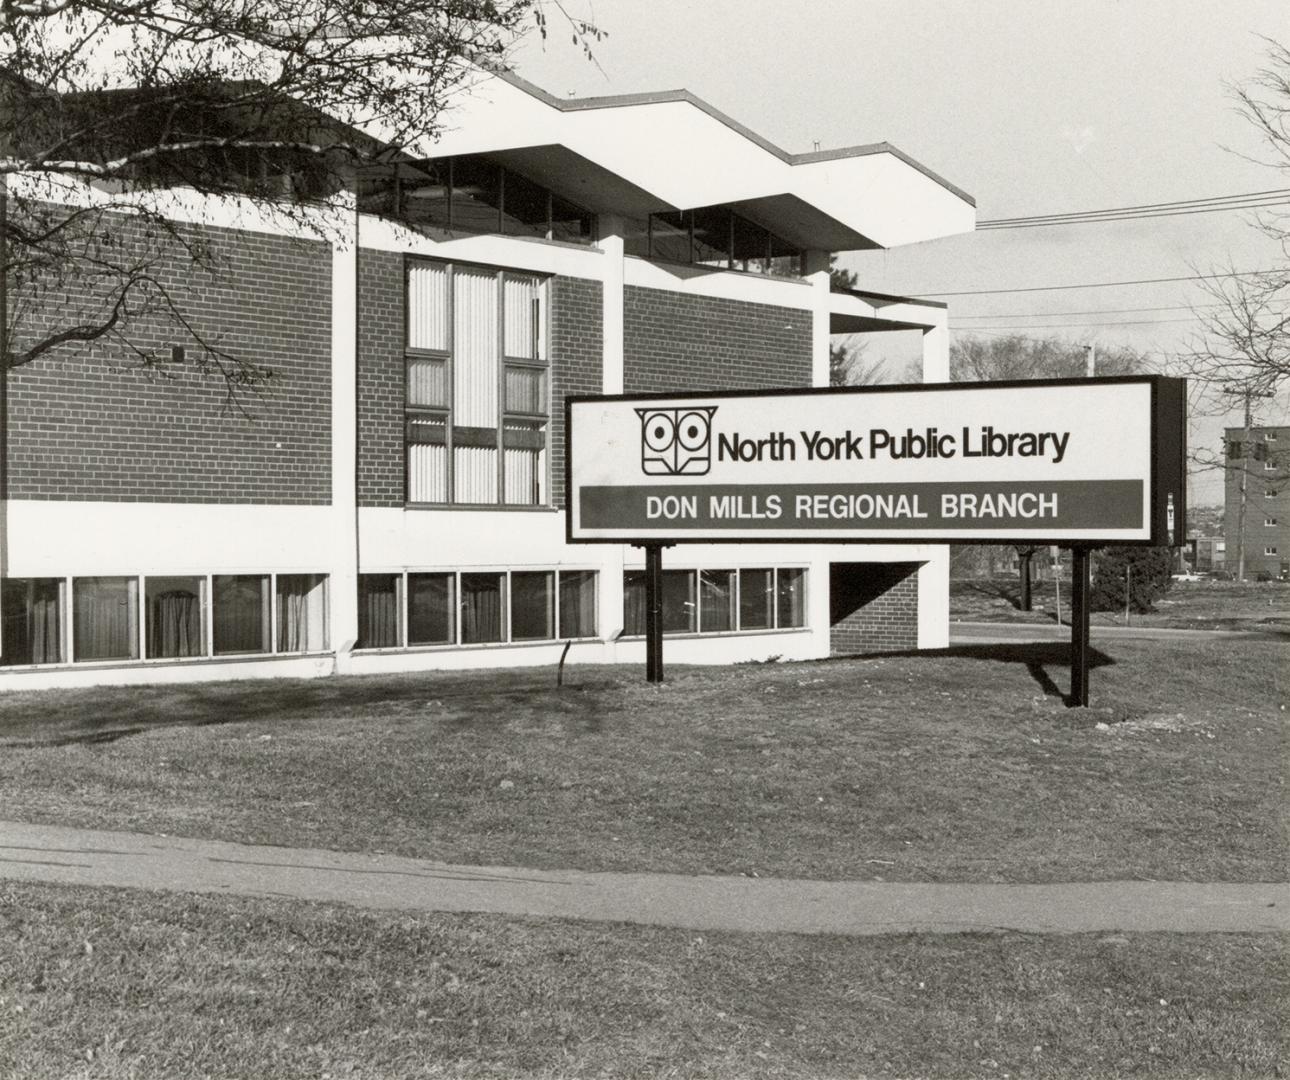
(83, 619)
(474, 608)
(720, 601)
(88, 619)
(398, 610)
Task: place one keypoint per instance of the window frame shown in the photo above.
(206, 582)
(444, 413)
(508, 638)
(448, 164)
(767, 259)
(736, 600)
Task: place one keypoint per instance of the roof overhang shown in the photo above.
(642, 153)
(856, 311)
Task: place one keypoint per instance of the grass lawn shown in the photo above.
(1189, 605)
(959, 766)
(113, 984)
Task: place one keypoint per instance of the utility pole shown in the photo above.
(1248, 393)
(4, 385)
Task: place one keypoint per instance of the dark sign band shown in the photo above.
(1042, 507)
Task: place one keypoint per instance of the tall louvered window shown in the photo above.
(477, 386)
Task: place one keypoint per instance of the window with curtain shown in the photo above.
(790, 587)
(718, 601)
(302, 612)
(756, 599)
(483, 608)
(477, 386)
(680, 608)
(105, 618)
(577, 603)
(380, 609)
(633, 602)
(176, 617)
(432, 609)
(241, 615)
(31, 609)
(532, 605)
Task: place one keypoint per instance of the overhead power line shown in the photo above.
(1084, 325)
(1099, 311)
(1253, 200)
(1098, 284)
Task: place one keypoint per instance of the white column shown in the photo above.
(817, 273)
(611, 317)
(343, 585)
(934, 574)
(611, 333)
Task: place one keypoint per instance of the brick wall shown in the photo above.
(873, 607)
(576, 358)
(381, 302)
(84, 422)
(678, 342)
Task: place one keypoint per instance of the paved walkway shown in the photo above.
(979, 633)
(89, 857)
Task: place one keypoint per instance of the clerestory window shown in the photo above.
(477, 397)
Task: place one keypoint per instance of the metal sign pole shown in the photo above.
(1080, 588)
(653, 612)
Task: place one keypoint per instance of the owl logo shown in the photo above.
(676, 442)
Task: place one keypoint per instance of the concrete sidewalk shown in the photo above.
(89, 857)
(1008, 633)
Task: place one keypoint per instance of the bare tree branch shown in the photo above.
(279, 101)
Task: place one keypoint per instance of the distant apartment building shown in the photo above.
(1257, 467)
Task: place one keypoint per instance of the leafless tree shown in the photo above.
(108, 107)
(1240, 358)
(1016, 356)
(1243, 346)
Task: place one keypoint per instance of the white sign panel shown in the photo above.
(1042, 462)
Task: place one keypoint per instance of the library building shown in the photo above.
(393, 500)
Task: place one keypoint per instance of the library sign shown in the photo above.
(1085, 461)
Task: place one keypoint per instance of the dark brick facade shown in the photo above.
(382, 302)
(679, 342)
(576, 358)
(873, 607)
(85, 423)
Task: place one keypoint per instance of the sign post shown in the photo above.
(1080, 589)
(1073, 462)
(653, 611)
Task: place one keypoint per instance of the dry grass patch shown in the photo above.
(933, 767)
(115, 984)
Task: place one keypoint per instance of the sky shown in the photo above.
(1031, 106)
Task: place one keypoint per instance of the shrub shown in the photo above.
(1151, 577)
